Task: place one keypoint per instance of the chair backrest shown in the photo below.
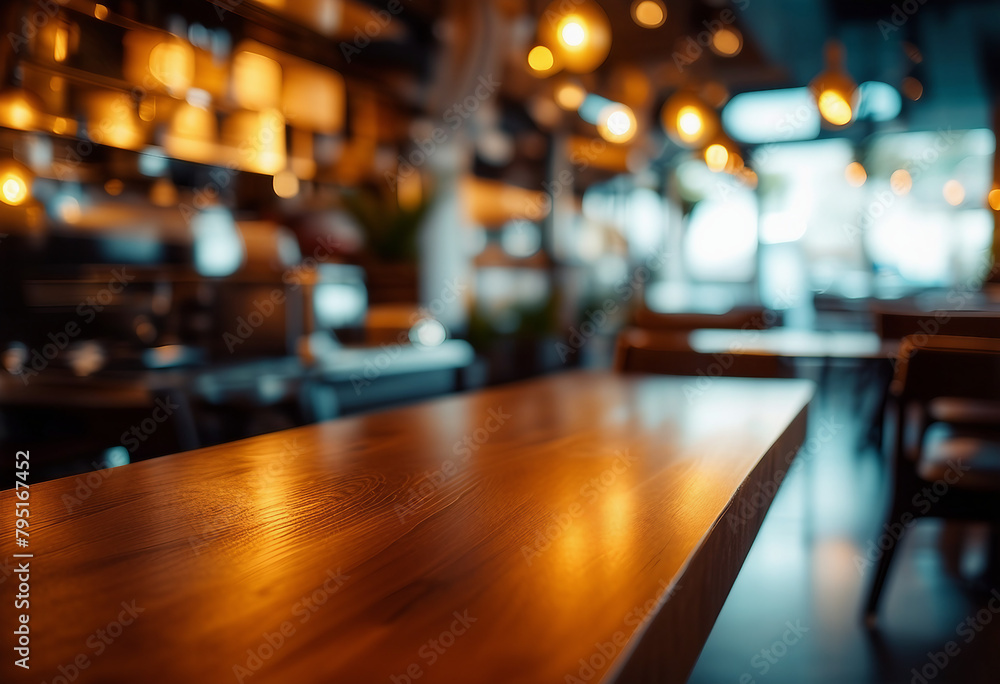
(937, 366)
(644, 351)
(896, 325)
(739, 318)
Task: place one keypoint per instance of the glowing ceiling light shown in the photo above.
(649, 13)
(541, 59)
(580, 39)
(834, 108)
(727, 42)
(900, 181)
(616, 123)
(716, 157)
(855, 174)
(954, 193)
(833, 89)
(572, 32)
(100, 12)
(690, 123)
(13, 186)
(994, 199)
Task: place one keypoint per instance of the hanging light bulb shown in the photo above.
(15, 183)
(579, 37)
(727, 42)
(649, 13)
(542, 61)
(616, 123)
(835, 92)
(688, 120)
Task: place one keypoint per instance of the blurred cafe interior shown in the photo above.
(648, 269)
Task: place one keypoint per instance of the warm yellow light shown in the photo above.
(13, 187)
(540, 58)
(900, 181)
(835, 108)
(954, 193)
(256, 141)
(579, 38)
(59, 125)
(100, 12)
(616, 123)
(572, 31)
(256, 81)
(17, 111)
(285, 184)
(716, 156)
(690, 123)
(113, 121)
(649, 13)
(114, 187)
(60, 44)
(409, 191)
(994, 199)
(570, 96)
(163, 193)
(855, 174)
(147, 109)
(727, 42)
(313, 97)
(171, 62)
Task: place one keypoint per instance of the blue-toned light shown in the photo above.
(769, 116)
(218, 246)
(593, 105)
(879, 101)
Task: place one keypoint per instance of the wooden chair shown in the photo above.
(644, 351)
(960, 465)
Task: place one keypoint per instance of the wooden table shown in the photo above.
(580, 527)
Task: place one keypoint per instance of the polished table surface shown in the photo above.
(579, 527)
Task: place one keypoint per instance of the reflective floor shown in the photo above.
(794, 614)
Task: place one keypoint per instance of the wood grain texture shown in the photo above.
(591, 525)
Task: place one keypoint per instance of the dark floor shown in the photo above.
(794, 614)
